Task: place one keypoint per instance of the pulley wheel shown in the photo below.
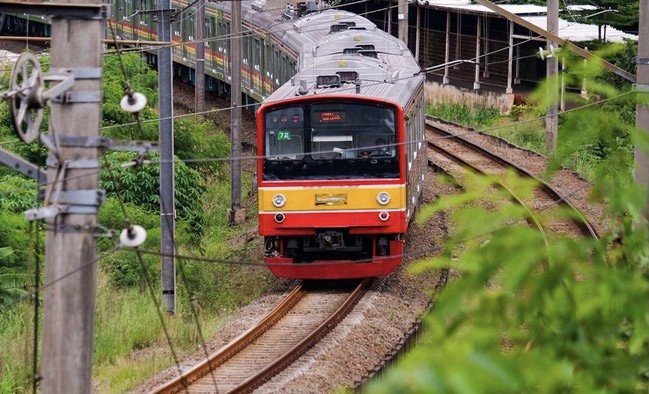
(26, 101)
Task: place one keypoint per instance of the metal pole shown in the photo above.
(199, 88)
(642, 110)
(403, 21)
(70, 268)
(235, 123)
(167, 203)
(552, 69)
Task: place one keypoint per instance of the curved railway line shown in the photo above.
(299, 321)
(305, 316)
(454, 153)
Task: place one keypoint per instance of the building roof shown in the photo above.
(537, 15)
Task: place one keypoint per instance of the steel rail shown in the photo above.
(200, 372)
(580, 221)
(296, 351)
(213, 361)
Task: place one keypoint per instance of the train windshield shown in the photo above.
(333, 140)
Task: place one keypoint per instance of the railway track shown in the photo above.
(298, 322)
(454, 153)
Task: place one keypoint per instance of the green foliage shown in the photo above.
(123, 267)
(530, 315)
(140, 185)
(12, 285)
(200, 142)
(141, 79)
(13, 234)
(194, 139)
(17, 193)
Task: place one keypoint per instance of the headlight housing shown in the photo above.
(383, 198)
(279, 200)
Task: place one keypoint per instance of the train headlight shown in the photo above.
(383, 198)
(279, 200)
(279, 218)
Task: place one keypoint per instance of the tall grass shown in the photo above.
(15, 363)
(474, 116)
(131, 345)
(524, 127)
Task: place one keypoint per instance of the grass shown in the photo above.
(15, 366)
(523, 127)
(130, 345)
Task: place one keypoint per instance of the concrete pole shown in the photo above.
(552, 69)
(447, 49)
(167, 183)
(642, 110)
(403, 21)
(476, 79)
(199, 88)
(235, 214)
(510, 75)
(70, 267)
(389, 30)
(417, 32)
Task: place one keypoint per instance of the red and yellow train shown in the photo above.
(342, 155)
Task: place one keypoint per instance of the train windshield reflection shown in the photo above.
(320, 140)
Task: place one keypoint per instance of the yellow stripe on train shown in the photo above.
(331, 198)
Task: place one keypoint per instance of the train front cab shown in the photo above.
(332, 186)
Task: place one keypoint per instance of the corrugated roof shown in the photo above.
(536, 14)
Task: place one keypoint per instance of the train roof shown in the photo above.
(350, 75)
(344, 53)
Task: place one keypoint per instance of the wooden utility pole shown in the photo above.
(552, 69)
(167, 184)
(403, 21)
(199, 88)
(642, 110)
(70, 251)
(235, 214)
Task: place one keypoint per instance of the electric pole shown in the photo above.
(70, 254)
(167, 184)
(199, 89)
(235, 214)
(642, 110)
(552, 69)
(403, 21)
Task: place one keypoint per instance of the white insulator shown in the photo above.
(132, 237)
(133, 103)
